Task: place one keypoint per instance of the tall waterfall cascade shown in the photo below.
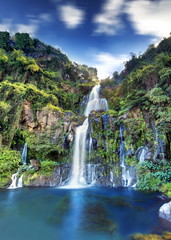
(78, 176)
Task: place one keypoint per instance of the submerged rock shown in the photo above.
(165, 211)
(95, 219)
(139, 236)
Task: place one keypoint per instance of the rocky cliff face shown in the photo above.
(47, 127)
(44, 119)
(103, 166)
(58, 177)
(95, 174)
(118, 145)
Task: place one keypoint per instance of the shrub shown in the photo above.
(9, 162)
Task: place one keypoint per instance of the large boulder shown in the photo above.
(35, 164)
(165, 211)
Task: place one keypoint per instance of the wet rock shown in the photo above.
(59, 175)
(130, 152)
(105, 120)
(146, 151)
(94, 142)
(165, 211)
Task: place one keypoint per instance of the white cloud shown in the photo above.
(9, 26)
(108, 21)
(150, 18)
(26, 28)
(6, 25)
(107, 63)
(45, 17)
(71, 15)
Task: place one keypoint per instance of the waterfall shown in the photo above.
(122, 147)
(90, 147)
(96, 103)
(112, 177)
(91, 174)
(160, 146)
(24, 154)
(20, 182)
(127, 175)
(79, 155)
(16, 182)
(142, 155)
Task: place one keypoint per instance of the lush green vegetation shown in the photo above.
(140, 97)
(154, 176)
(9, 162)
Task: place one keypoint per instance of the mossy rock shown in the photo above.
(29, 178)
(166, 235)
(60, 210)
(95, 219)
(139, 236)
(120, 202)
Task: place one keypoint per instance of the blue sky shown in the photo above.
(98, 33)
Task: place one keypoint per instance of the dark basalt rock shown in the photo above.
(58, 176)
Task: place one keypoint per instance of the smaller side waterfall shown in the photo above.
(16, 182)
(122, 147)
(24, 154)
(159, 151)
(90, 147)
(20, 182)
(112, 177)
(91, 174)
(127, 175)
(142, 155)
